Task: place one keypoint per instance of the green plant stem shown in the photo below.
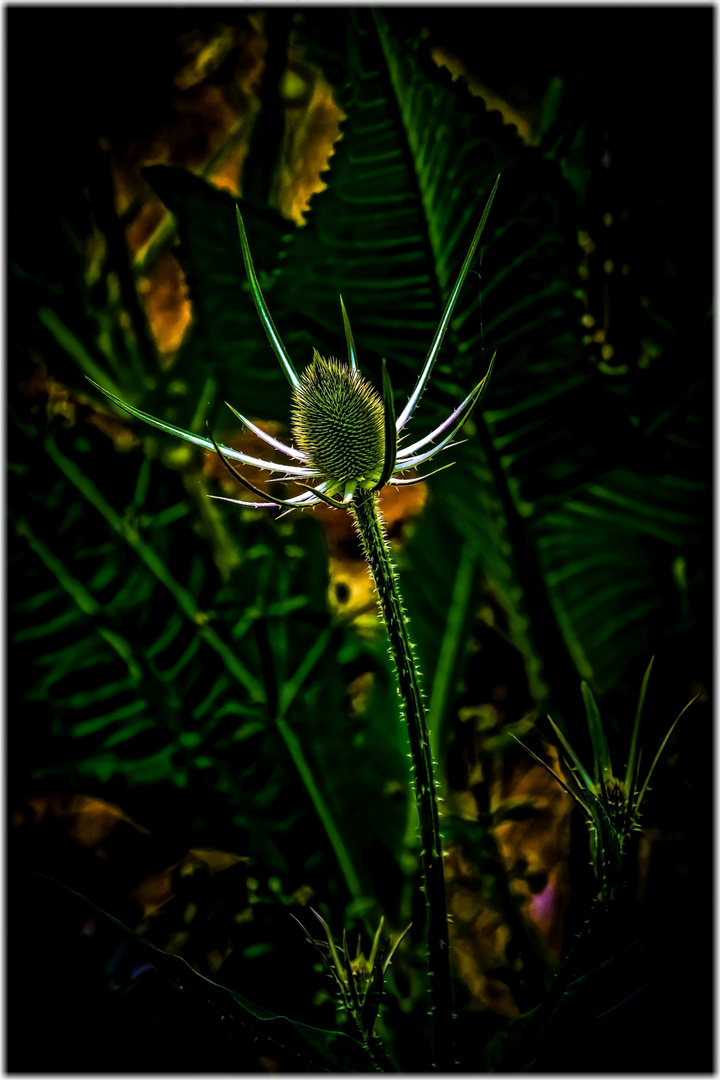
(370, 529)
(321, 808)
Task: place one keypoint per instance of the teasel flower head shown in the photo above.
(346, 434)
(338, 421)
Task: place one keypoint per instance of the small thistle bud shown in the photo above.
(338, 420)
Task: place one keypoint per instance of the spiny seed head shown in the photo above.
(617, 799)
(338, 420)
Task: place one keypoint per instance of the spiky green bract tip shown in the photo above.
(338, 420)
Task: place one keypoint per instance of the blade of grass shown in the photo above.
(74, 347)
(84, 600)
(451, 644)
(292, 686)
(155, 564)
(321, 808)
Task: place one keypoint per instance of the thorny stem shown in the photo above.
(376, 1052)
(370, 529)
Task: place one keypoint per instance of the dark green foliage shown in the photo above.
(175, 655)
(572, 480)
(156, 671)
(562, 470)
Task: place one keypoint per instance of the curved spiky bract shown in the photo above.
(321, 496)
(420, 479)
(198, 440)
(241, 479)
(446, 316)
(455, 421)
(266, 437)
(262, 308)
(338, 421)
(300, 502)
(390, 430)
